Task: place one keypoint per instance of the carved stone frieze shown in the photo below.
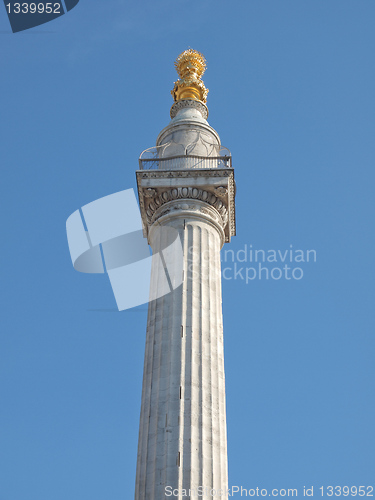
(152, 204)
(189, 103)
(172, 174)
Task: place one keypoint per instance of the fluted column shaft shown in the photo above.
(182, 436)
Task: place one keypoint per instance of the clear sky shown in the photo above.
(292, 96)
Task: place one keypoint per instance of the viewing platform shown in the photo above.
(153, 158)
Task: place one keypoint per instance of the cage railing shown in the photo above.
(150, 159)
(182, 162)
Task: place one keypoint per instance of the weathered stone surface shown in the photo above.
(182, 438)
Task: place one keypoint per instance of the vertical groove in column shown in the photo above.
(166, 374)
(145, 408)
(213, 357)
(181, 402)
(196, 362)
(221, 372)
(146, 398)
(185, 381)
(161, 316)
(172, 408)
(213, 326)
(158, 405)
(188, 379)
(206, 374)
(184, 406)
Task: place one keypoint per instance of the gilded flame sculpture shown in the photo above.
(190, 66)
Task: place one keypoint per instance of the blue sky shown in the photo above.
(292, 96)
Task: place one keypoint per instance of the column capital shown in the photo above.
(212, 187)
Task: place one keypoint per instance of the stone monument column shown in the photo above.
(186, 192)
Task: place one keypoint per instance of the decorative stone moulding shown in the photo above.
(191, 209)
(189, 103)
(220, 191)
(184, 193)
(149, 193)
(214, 190)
